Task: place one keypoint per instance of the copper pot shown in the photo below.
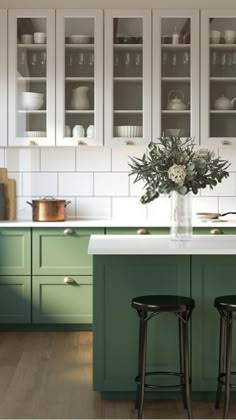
(48, 209)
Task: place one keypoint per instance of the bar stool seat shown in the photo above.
(226, 306)
(147, 307)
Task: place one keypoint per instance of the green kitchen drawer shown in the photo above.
(59, 251)
(15, 251)
(166, 230)
(62, 300)
(15, 299)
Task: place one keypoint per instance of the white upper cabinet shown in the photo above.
(218, 77)
(3, 77)
(31, 110)
(127, 82)
(79, 77)
(176, 73)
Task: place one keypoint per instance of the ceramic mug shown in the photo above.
(78, 131)
(229, 36)
(39, 37)
(90, 131)
(26, 39)
(215, 37)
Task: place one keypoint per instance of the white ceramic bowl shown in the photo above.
(35, 134)
(31, 100)
(128, 130)
(79, 39)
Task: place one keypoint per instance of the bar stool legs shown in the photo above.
(221, 361)
(186, 369)
(141, 362)
(228, 367)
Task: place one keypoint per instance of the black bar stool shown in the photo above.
(226, 306)
(147, 307)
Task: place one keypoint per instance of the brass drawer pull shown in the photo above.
(68, 232)
(143, 231)
(69, 280)
(216, 232)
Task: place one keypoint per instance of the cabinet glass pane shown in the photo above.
(31, 77)
(175, 76)
(222, 70)
(79, 77)
(128, 77)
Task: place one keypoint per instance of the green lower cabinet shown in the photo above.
(15, 299)
(117, 280)
(15, 251)
(59, 251)
(212, 276)
(62, 300)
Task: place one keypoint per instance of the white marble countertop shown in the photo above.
(161, 245)
(92, 223)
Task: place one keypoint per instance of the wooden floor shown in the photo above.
(49, 375)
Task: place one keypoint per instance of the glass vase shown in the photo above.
(181, 216)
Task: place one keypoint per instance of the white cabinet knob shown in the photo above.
(68, 280)
(143, 231)
(68, 232)
(216, 232)
(226, 143)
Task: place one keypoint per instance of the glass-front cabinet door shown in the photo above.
(176, 73)
(127, 81)
(79, 76)
(3, 77)
(31, 112)
(218, 77)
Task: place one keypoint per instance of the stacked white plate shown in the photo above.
(35, 134)
(128, 130)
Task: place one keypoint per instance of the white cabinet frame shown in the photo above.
(97, 15)
(49, 15)
(158, 15)
(3, 78)
(206, 140)
(108, 71)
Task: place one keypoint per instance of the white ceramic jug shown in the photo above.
(79, 99)
(78, 131)
(224, 103)
(90, 131)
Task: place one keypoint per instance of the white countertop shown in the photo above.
(92, 223)
(161, 245)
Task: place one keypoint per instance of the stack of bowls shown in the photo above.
(32, 100)
(128, 131)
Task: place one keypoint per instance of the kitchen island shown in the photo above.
(125, 266)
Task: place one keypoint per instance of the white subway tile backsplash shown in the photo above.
(227, 204)
(18, 178)
(228, 153)
(2, 158)
(73, 184)
(204, 205)
(94, 208)
(111, 184)
(226, 188)
(39, 184)
(128, 209)
(121, 157)
(93, 159)
(22, 160)
(159, 210)
(54, 159)
(136, 189)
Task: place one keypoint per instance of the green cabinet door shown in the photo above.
(15, 251)
(59, 251)
(15, 299)
(212, 276)
(62, 300)
(118, 279)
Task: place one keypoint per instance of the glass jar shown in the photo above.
(181, 216)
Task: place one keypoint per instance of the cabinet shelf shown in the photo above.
(128, 46)
(175, 46)
(175, 79)
(76, 111)
(223, 79)
(79, 79)
(228, 111)
(31, 79)
(128, 111)
(32, 46)
(128, 79)
(168, 111)
(223, 46)
(29, 111)
(79, 46)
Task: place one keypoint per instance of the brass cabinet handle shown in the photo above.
(69, 280)
(68, 232)
(226, 143)
(82, 143)
(216, 232)
(33, 143)
(129, 142)
(143, 231)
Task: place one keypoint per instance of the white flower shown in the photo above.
(177, 174)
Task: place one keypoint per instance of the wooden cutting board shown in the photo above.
(9, 194)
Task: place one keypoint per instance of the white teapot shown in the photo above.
(176, 103)
(224, 103)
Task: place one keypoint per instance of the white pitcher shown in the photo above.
(79, 99)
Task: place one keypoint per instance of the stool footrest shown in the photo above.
(180, 375)
(221, 379)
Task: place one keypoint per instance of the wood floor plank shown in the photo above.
(48, 375)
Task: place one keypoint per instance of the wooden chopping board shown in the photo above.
(9, 194)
